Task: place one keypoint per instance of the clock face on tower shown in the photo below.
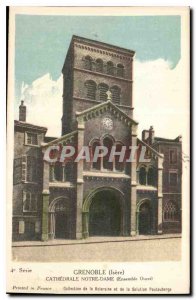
(107, 123)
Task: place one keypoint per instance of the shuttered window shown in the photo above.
(17, 170)
(103, 88)
(115, 90)
(90, 89)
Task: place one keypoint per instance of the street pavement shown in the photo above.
(167, 248)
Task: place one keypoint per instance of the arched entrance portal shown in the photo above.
(144, 218)
(103, 213)
(60, 219)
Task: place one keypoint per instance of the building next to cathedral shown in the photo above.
(75, 200)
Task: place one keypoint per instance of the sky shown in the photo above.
(41, 44)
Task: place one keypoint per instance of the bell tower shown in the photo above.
(95, 72)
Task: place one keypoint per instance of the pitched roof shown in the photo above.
(65, 138)
(101, 108)
(159, 139)
(150, 148)
(29, 126)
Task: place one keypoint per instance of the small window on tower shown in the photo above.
(110, 68)
(88, 62)
(120, 70)
(99, 65)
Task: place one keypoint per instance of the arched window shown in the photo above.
(99, 65)
(151, 176)
(90, 89)
(58, 171)
(110, 68)
(120, 70)
(97, 164)
(142, 176)
(170, 212)
(119, 166)
(108, 143)
(103, 88)
(115, 90)
(88, 62)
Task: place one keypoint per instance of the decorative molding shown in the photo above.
(103, 52)
(45, 192)
(101, 108)
(103, 74)
(61, 185)
(65, 139)
(146, 188)
(105, 175)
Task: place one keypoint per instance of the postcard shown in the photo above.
(98, 165)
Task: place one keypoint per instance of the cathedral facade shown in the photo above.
(74, 200)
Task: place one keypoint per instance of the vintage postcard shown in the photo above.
(98, 198)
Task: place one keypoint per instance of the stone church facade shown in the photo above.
(76, 200)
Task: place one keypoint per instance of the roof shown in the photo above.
(165, 140)
(65, 138)
(102, 44)
(29, 126)
(150, 148)
(48, 139)
(102, 107)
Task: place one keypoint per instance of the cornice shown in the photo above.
(102, 74)
(98, 102)
(103, 48)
